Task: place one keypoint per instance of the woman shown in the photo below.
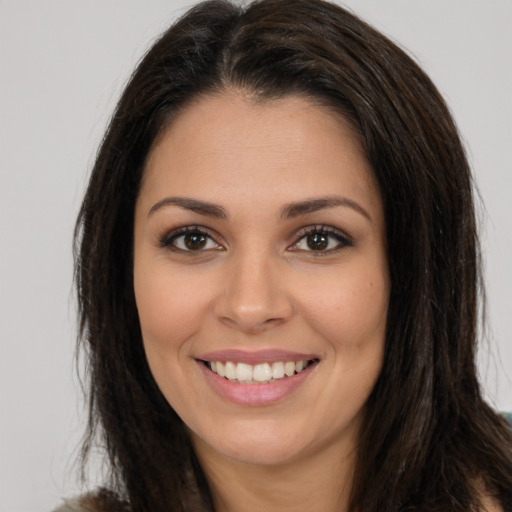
(277, 272)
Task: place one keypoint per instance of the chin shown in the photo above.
(263, 456)
(259, 443)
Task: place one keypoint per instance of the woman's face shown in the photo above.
(261, 277)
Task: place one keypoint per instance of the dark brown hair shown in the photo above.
(429, 441)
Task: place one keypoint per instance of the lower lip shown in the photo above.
(254, 394)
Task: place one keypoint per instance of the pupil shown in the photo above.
(195, 241)
(317, 242)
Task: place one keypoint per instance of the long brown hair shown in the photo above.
(429, 441)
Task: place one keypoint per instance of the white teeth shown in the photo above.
(230, 370)
(289, 368)
(221, 371)
(243, 371)
(263, 372)
(278, 370)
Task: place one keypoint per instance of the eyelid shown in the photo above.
(165, 241)
(343, 239)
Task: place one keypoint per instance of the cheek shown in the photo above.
(352, 313)
(170, 308)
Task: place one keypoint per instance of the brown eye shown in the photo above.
(321, 240)
(317, 241)
(189, 239)
(195, 241)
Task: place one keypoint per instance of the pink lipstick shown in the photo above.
(256, 378)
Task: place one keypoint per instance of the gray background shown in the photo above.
(62, 66)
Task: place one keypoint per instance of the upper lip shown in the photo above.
(256, 357)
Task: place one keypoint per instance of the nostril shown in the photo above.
(253, 326)
(254, 299)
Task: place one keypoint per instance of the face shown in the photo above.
(261, 277)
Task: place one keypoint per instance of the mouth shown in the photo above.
(262, 373)
(256, 379)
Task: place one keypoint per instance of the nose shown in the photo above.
(255, 296)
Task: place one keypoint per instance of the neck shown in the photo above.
(319, 482)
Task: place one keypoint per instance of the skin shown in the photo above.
(258, 285)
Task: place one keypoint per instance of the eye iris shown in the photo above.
(317, 241)
(194, 241)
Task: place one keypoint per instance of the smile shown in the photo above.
(263, 373)
(256, 379)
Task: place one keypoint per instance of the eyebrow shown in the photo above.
(289, 211)
(312, 205)
(201, 207)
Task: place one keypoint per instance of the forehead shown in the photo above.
(231, 146)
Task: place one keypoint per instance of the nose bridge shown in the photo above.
(254, 297)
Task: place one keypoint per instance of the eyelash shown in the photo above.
(342, 240)
(169, 239)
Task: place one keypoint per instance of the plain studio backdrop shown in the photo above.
(63, 65)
